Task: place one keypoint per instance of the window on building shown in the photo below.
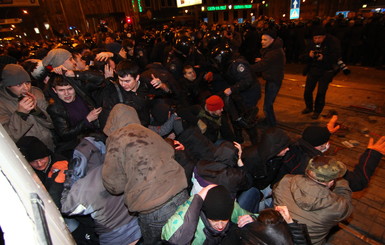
(226, 15)
(147, 3)
(215, 17)
(244, 14)
(215, 1)
(235, 14)
(169, 3)
(162, 2)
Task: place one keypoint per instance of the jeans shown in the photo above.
(271, 91)
(124, 234)
(151, 224)
(267, 200)
(323, 78)
(249, 200)
(254, 200)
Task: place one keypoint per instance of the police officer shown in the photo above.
(243, 90)
(178, 56)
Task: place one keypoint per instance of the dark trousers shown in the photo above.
(323, 78)
(271, 91)
(151, 223)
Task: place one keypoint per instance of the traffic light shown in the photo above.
(128, 20)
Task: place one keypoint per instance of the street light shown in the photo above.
(25, 11)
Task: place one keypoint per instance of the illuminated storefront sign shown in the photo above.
(225, 7)
(246, 6)
(216, 8)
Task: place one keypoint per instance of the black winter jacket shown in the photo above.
(224, 169)
(331, 51)
(257, 233)
(273, 62)
(261, 160)
(297, 158)
(114, 94)
(67, 136)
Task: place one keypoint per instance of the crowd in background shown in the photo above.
(362, 38)
(143, 132)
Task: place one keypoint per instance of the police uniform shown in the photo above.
(244, 85)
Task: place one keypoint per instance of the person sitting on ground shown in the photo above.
(319, 198)
(225, 169)
(205, 218)
(211, 120)
(273, 226)
(315, 142)
(263, 162)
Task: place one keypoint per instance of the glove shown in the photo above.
(209, 76)
(58, 171)
(202, 126)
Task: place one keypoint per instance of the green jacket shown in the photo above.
(186, 225)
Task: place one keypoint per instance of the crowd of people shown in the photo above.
(139, 136)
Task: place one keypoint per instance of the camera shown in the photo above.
(342, 66)
(317, 51)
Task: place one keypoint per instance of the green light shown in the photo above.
(140, 6)
(225, 7)
(246, 6)
(216, 8)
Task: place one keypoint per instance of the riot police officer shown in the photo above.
(178, 56)
(243, 91)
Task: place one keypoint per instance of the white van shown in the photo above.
(27, 213)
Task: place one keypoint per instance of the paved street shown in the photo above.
(359, 99)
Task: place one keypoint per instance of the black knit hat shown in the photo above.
(218, 204)
(272, 33)
(318, 31)
(32, 148)
(316, 135)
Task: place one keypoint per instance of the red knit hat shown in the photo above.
(214, 103)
